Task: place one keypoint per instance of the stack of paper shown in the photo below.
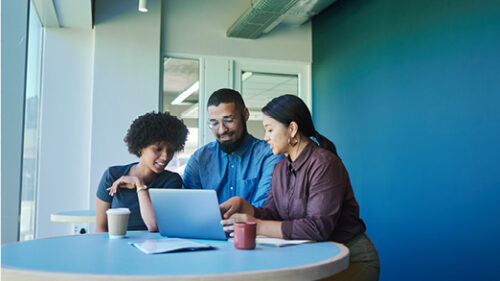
(168, 245)
(277, 242)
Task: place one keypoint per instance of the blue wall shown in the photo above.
(410, 93)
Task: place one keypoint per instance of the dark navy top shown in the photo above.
(127, 198)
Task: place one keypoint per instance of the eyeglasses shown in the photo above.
(215, 124)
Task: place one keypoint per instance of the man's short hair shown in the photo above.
(227, 96)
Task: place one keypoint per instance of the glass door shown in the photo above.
(258, 88)
(188, 82)
(261, 81)
(180, 97)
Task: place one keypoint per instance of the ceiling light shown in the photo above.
(186, 93)
(246, 75)
(143, 6)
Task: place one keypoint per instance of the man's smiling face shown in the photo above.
(227, 123)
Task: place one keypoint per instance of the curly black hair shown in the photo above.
(155, 127)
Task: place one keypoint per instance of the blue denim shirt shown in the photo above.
(246, 172)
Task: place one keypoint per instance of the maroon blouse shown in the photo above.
(313, 197)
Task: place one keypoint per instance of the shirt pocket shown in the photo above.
(247, 188)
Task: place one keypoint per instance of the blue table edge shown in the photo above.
(317, 270)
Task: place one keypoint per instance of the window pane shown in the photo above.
(180, 98)
(31, 129)
(258, 89)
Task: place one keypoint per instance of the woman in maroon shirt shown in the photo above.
(311, 195)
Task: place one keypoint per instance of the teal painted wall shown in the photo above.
(410, 93)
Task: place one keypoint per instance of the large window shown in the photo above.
(31, 128)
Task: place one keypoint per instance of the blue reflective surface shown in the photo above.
(96, 254)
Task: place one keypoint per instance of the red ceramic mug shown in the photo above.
(244, 235)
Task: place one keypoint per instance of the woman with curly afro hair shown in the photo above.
(154, 138)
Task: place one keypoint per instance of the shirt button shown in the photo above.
(231, 188)
(232, 166)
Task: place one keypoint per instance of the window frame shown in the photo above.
(234, 68)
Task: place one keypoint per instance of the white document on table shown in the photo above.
(278, 242)
(168, 245)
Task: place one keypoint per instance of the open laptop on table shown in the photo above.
(187, 213)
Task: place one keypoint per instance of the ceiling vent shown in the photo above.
(260, 15)
(265, 15)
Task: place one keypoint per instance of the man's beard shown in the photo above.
(229, 147)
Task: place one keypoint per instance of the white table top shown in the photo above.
(76, 216)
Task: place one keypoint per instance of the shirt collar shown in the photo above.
(240, 151)
(302, 158)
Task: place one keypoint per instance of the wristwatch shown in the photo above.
(142, 187)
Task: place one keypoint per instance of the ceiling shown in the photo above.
(262, 16)
(64, 13)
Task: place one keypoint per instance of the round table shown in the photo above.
(77, 216)
(95, 257)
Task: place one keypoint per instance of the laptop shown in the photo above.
(187, 213)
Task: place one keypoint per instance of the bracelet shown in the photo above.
(142, 187)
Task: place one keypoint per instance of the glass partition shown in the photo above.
(258, 88)
(180, 97)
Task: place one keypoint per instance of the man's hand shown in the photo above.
(231, 206)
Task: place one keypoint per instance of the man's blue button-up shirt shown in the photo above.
(246, 172)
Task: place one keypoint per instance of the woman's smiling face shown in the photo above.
(156, 156)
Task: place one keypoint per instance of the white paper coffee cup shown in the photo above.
(117, 222)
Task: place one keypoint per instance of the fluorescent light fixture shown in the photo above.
(255, 115)
(191, 112)
(246, 75)
(186, 93)
(143, 6)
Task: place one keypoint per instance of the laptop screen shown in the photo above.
(187, 213)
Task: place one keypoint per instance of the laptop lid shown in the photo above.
(187, 213)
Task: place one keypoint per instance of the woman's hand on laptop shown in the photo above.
(235, 204)
(129, 182)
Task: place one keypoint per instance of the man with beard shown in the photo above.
(237, 164)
